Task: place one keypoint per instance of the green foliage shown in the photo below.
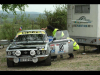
(58, 18)
(42, 21)
(11, 7)
(9, 29)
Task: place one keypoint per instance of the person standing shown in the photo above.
(75, 47)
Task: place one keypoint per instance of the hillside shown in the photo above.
(33, 15)
(18, 12)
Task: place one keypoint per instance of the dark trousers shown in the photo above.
(71, 54)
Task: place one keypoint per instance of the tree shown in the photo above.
(58, 18)
(42, 20)
(11, 7)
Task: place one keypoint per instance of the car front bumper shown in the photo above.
(24, 58)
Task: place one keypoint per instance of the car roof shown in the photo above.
(33, 30)
(36, 30)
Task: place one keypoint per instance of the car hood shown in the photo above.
(24, 45)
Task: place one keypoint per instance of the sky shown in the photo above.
(38, 7)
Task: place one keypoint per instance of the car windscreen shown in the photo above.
(30, 37)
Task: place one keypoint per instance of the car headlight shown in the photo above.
(38, 52)
(9, 53)
(35, 59)
(32, 52)
(18, 53)
(43, 52)
(13, 52)
(16, 60)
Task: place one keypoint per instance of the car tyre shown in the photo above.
(10, 63)
(47, 62)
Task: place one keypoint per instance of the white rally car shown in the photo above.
(29, 46)
(34, 46)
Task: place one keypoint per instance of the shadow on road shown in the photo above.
(28, 64)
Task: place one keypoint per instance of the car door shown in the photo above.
(61, 44)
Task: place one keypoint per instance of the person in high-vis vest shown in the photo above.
(75, 47)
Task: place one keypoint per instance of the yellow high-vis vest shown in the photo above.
(54, 31)
(75, 45)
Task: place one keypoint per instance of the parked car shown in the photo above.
(35, 46)
(29, 46)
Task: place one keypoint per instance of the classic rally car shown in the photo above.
(35, 46)
(29, 46)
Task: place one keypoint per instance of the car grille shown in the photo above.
(28, 52)
(25, 52)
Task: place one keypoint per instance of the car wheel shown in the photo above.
(10, 63)
(47, 62)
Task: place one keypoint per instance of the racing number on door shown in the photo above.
(61, 47)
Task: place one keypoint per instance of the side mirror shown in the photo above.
(54, 39)
(11, 40)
